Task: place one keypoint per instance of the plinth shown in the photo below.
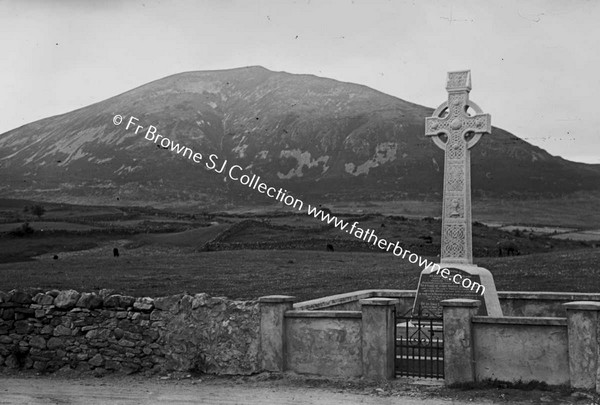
(463, 281)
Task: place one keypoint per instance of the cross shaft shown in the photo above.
(450, 120)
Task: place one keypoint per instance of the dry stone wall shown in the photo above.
(102, 332)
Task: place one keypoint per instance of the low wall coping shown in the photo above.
(351, 297)
(338, 299)
(518, 320)
(334, 300)
(582, 306)
(323, 314)
(395, 293)
(547, 295)
(276, 299)
(344, 298)
(460, 302)
(379, 301)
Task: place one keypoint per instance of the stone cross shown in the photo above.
(456, 132)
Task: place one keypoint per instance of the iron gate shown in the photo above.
(419, 345)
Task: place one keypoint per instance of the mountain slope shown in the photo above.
(311, 135)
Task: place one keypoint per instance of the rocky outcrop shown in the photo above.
(103, 332)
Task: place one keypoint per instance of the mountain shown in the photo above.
(313, 136)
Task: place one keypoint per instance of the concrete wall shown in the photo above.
(102, 333)
(529, 343)
(540, 304)
(513, 303)
(526, 349)
(326, 343)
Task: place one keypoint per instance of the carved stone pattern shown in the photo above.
(476, 124)
(457, 79)
(450, 208)
(457, 104)
(455, 180)
(457, 100)
(454, 240)
(437, 125)
(454, 149)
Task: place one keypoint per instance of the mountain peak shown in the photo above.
(306, 133)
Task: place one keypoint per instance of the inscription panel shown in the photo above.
(433, 289)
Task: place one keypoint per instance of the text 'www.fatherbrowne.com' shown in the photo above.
(253, 181)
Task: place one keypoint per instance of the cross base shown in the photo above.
(435, 286)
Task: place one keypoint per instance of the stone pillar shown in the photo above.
(459, 364)
(378, 345)
(583, 323)
(272, 331)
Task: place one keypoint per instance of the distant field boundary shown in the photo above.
(295, 244)
(245, 224)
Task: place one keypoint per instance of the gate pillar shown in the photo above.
(378, 345)
(583, 320)
(459, 364)
(272, 330)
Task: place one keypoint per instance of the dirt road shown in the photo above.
(34, 391)
(262, 389)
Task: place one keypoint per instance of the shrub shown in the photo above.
(22, 230)
(38, 210)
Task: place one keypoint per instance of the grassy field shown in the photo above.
(578, 210)
(49, 226)
(299, 232)
(156, 271)
(160, 250)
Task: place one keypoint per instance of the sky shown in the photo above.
(535, 65)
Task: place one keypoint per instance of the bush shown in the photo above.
(38, 210)
(21, 231)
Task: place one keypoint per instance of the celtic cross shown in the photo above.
(456, 132)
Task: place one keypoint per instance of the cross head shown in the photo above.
(455, 131)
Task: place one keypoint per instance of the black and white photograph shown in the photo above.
(328, 202)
